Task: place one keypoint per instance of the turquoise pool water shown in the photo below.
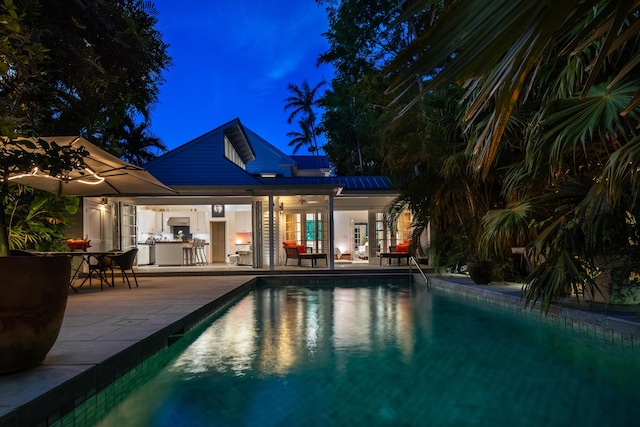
(385, 356)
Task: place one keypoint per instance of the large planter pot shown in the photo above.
(33, 298)
(481, 272)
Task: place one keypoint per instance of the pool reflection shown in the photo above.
(275, 329)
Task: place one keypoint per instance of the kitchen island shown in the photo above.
(171, 252)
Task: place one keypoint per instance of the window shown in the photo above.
(404, 226)
(308, 229)
(292, 228)
(316, 223)
(129, 230)
(382, 233)
(231, 153)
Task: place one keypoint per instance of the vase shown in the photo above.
(33, 299)
(481, 272)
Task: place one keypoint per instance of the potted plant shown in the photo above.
(34, 290)
(480, 267)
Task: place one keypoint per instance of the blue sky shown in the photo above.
(235, 59)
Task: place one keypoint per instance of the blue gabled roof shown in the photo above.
(201, 162)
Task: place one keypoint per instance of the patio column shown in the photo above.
(271, 235)
(331, 233)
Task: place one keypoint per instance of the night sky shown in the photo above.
(235, 59)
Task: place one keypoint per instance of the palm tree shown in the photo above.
(305, 137)
(302, 104)
(135, 142)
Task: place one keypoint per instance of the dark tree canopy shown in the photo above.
(102, 67)
(363, 40)
(88, 68)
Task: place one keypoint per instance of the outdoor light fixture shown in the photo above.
(64, 178)
(99, 179)
(22, 175)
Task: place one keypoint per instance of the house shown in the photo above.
(244, 197)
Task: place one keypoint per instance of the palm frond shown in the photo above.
(620, 174)
(498, 45)
(561, 275)
(506, 228)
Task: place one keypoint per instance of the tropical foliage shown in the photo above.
(555, 81)
(71, 68)
(38, 221)
(103, 66)
(363, 40)
(507, 123)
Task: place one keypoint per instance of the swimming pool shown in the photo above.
(383, 355)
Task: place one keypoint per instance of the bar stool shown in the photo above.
(201, 254)
(189, 254)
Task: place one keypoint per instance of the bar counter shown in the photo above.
(170, 252)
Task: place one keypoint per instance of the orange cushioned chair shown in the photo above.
(402, 247)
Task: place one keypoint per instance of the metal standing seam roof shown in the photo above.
(311, 162)
(201, 162)
(348, 183)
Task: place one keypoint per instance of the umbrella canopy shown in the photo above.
(104, 175)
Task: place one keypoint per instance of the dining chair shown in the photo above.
(99, 265)
(124, 262)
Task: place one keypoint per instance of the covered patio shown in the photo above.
(244, 198)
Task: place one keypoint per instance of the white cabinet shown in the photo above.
(149, 221)
(243, 221)
(199, 223)
(143, 255)
(164, 218)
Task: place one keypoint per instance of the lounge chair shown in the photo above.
(299, 252)
(401, 251)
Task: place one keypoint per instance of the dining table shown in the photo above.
(86, 259)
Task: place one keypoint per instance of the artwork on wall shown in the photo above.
(217, 211)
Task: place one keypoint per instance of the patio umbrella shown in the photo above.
(104, 175)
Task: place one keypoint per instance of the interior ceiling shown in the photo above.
(291, 202)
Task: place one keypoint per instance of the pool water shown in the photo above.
(386, 356)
